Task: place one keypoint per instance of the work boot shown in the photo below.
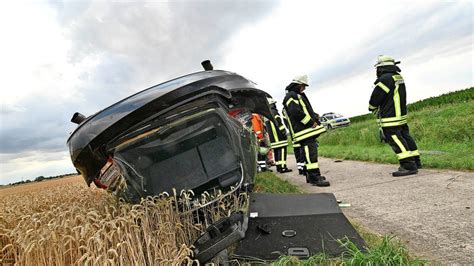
(317, 180)
(418, 165)
(285, 170)
(321, 181)
(418, 162)
(404, 172)
(279, 168)
(305, 172)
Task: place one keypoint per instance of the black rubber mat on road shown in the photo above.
(278, 205)
(315, 220)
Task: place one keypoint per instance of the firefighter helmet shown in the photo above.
(271, 101)
(385, 60)
(303, 79)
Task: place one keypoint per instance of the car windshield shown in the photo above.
(333, 116)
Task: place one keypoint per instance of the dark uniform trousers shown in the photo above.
(403, 145)
(309, 151)
(280, 156)
(299, 156)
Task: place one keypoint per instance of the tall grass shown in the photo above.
(389, 251)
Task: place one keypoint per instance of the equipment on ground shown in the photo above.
(300, 225)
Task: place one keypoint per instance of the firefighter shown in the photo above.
(258, 129)
(278, 138)
(388, 102)
(306, 127)
(297, 150)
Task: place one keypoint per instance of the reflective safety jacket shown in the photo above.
(276, 133)
(301, 116)
(288, 125)
(389, 97)
(257, 126)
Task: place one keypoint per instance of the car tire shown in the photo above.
(329, 127)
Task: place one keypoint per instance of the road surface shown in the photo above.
(432, 212)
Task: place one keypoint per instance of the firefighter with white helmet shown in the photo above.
(278, 138)
(306, 127)
(388, 101)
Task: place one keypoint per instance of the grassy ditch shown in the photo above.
(270, 183)
(381, 250)
(389, 251)
(442, 127)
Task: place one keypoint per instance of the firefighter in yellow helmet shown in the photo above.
(306, 127)
(388, 102)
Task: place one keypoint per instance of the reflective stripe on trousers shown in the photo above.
(280, 156)
(311, 156)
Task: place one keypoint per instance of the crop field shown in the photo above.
(64, 222)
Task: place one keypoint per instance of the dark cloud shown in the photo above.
(159, 40)
(137, 45)
(40, 125)
(415, 31)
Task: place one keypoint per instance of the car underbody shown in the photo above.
(190, 135)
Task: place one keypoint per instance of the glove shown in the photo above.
(374, 110)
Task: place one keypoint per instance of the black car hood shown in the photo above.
(86, 142)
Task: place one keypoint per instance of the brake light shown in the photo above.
(110, 175)
(241, 115)
(99, 185)
(234, 112)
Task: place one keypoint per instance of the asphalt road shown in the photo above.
(432, 212)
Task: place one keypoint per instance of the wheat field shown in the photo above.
(68, 223)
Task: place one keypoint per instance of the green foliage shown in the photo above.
(442, 127)
(39, 178)
(461, 96)
(389, 251)
(269, 182)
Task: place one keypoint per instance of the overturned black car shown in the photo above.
(194, 134)
(188, 133)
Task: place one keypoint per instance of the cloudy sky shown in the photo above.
(60, 57)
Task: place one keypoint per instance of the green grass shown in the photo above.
(389, 251)
(454, 97)
(270, 183)
(381, 250)
(442, 126)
